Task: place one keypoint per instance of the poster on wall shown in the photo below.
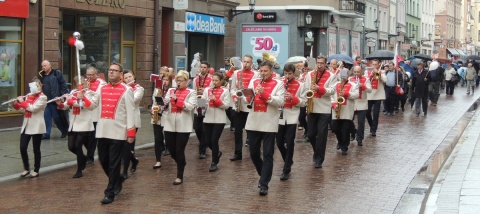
(332, 42)
(355, 44)
(271, 39)
(7, 66)
(344, 42)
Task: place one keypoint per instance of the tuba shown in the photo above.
(268, 57)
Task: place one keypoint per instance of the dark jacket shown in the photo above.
(419, 85)
(53, 84)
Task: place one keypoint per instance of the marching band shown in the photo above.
(259, 100)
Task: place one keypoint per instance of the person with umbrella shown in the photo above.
(437, 73)
(420, 81)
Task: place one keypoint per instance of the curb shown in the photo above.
(416, 194)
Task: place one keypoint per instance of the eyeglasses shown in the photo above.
(179, 81)
(113, 70)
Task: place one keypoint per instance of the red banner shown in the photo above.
(14, 8)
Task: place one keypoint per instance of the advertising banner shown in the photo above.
(202, 23)
(8, 61)
(344, 42)
(332, 41)
(355, 44)
(271, 39)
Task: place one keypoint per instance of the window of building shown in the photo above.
(478, 37)
(11, 57)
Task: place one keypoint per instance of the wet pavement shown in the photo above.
(370, 179)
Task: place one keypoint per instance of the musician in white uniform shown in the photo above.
(376, 96)
(268, 98)
(94, 85)
(343, 105)
(202, 81)
(361, 104)
(33, 126)
(294, 99)
(241, 80)
(178, 121)
(129, 151)
(81, 125)
(157, 125)
(322, 82)
(215, 118)
(115, 126)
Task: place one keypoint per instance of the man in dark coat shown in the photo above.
(420, 80)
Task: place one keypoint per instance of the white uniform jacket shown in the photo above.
(240, 80)
(350, 93)
(291, 107)
(322, 97)
(81, 118)
(138, 91)
(215, 112)
(178, 116)
(94, 86)
(116, 105)
(33, 108)
(265, 113)
(378, 88)
(201, 82)
(361, 103)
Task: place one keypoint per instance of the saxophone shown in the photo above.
(239, 92)
(310, 94)
(156, 107)
(340, 101)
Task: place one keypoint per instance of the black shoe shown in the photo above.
(338, 146)
(392, 114)
(236, 157)
(246, 145)
(360, 143)
(213, 167)
(78, 174)
(417, 114)
(45, 137)
(90, 160)
(84, 164)
(284, 176)
(425, 114)
(167, 152)
(352, 138)
(374, 134)
(134, 165)
(64, 135)
(344, 152)
(318, 165)
(263, 191)
(202, 156)
(107, 200)
(124, 176)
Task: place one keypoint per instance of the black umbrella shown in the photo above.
(414, 63)
(423, 56)
(381, 55)
(472, 57)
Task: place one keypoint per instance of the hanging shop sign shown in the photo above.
(202, 23)
(111, 3)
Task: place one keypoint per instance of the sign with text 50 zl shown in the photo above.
(259, 39)
(202, 23)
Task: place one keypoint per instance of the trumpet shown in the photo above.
(250, 105)
(376, 75)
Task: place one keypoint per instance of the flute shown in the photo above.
(14, 99)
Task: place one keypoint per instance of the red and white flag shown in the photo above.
(397, 57)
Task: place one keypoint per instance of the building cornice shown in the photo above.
(303, 7)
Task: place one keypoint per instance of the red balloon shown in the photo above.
(71, 41)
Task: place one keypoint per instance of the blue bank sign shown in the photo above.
(201, 23)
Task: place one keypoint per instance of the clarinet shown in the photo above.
(168, 103)
(286, 90)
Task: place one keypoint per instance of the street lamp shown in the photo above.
(429, 38)
(232, 13)
(414, 32)
(308, 21)
(394, 35)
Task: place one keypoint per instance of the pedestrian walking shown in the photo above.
(470, 76)
(450, 79)
(32, 105)
(420, 80)
(115, 126)
(436, 73)
(178, 121)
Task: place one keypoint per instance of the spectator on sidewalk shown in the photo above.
(462, 72)
(436, 73)
(53, 86)
(420, 81)
(450, 79)
(470, 78)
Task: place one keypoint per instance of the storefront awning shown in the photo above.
(460, 52)
(453, 51)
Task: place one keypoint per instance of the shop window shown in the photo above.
(11, 46)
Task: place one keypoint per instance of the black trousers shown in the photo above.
(240, 121)
(229, 113)
(91, 145)
(264, 167)
(213, 131)
(176, 142)
(200, 132)
(37, 140)
(373, 105)
(110, 153)
(128, 154)
(360, 125)
(341, 128)
(391, 97)
(317, 134)
(302, 118)
(450, 87)
(286, 144)
(75, 142)
(158, 135)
